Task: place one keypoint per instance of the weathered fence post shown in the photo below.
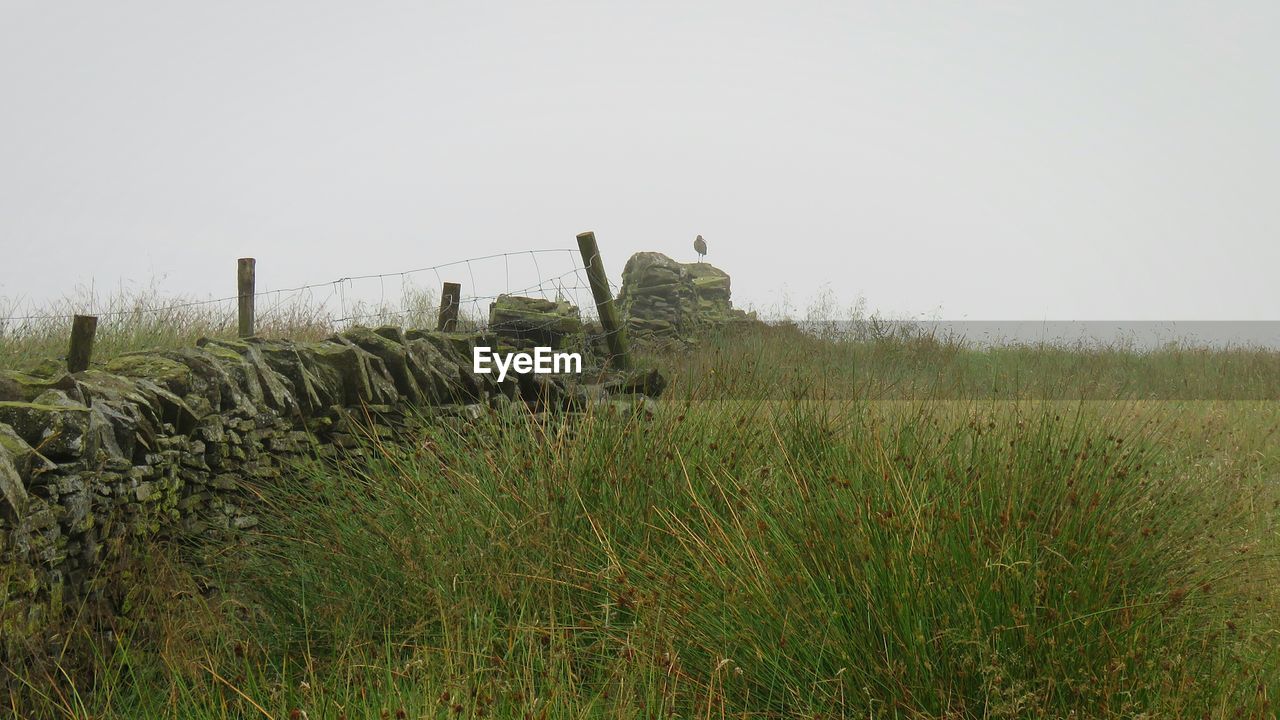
(83, 328)
(615, 334)
(245, 283)
(450, 298)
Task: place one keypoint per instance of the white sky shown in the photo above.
(988, 160)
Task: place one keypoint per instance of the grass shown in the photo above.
(770, 362)
(802, 532)
(804, 558)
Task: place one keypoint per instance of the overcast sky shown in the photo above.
(983, 160)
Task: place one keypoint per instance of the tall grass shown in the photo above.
(796, 559)
(766, 362)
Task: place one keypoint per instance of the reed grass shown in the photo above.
(746, 559)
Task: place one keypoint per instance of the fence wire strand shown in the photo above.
(278, 299)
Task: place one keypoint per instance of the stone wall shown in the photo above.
(163, 444)
(664, 299)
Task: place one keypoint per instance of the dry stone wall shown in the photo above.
(97, 465)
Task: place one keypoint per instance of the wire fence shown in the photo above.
(131, 320)
(390, 297)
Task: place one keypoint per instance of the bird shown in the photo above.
(700, 247)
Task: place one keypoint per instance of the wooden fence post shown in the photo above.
(614, 332)
(450, 299)
(245, 268)
(83, 328)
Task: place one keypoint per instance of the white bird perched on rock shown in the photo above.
(700, 247)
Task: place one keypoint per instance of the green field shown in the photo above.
(807, 528)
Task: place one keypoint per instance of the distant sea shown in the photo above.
(1140, 335)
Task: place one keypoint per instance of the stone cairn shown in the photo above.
(96, 465)
(664, 299)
